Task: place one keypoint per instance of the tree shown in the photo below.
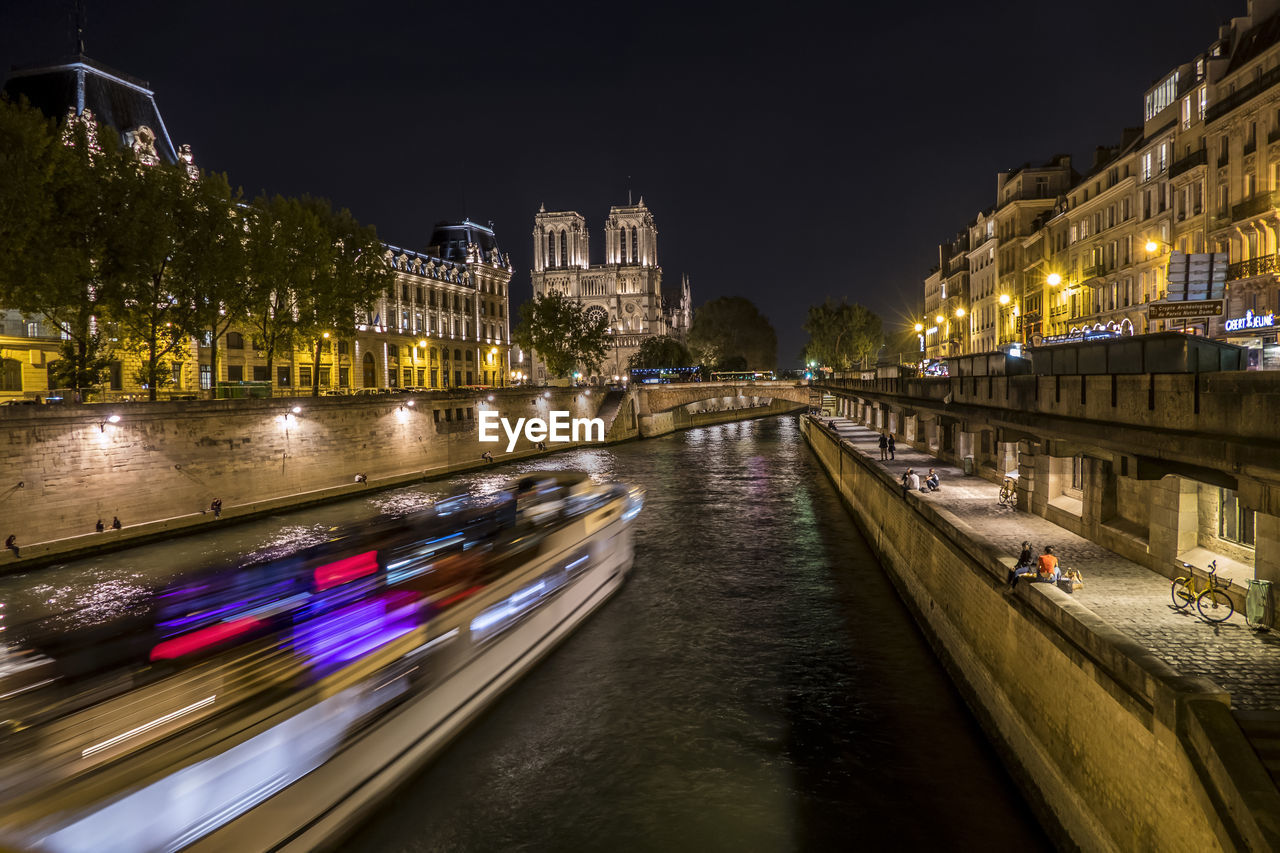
(60, 206)
(661, 351)
(349, 275)
(841, 335)
(216, 269)
(733, 326)
(155, 253)
(560, 332)
(282, 243)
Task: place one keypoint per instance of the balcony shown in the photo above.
(1195, 158)
(1093, 271)
(1253, 267)
(1243, 94)
(1256, 205)
(1221, 219)
(1250, 146)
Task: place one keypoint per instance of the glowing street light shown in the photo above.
(939, 319)
(959, 312)
(1054, 279)
(919, 327)
(1004, 299)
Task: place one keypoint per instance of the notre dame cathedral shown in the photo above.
(625, 291)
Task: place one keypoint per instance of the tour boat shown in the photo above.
(282, 701)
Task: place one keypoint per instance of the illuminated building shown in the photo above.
(444, 324)
(624, 292)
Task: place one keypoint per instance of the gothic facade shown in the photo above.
(625, 291)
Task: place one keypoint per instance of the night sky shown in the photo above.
(789, 152)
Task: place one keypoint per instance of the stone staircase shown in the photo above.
(1262, 728)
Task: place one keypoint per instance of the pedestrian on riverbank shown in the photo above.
(906, 482)
(216, 506)
(891, 446)
(12, 544)
(99, 527)
(115, 522)
(884, 448)
(914, 479)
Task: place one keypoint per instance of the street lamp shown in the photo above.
(919, 327)
(1054, 279)
(939, 319)
(959, 313)
(1004, 299)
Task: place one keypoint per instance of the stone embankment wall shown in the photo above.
(1115, 749)
(160, 465)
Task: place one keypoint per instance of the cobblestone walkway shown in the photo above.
(1131, 597)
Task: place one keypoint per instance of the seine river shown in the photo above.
(757, 685)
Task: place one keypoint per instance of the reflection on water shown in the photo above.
(756, 685)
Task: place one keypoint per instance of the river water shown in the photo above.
(756, 684)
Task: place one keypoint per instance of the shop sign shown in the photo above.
(1250, 321)
(1185, 310)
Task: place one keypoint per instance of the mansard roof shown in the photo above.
(116, 99)
(1254, 42)
(449, 240)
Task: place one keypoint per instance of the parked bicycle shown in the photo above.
(1009, 492)
(1211, 600)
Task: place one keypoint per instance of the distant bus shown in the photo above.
(665, 375)
(741, 375)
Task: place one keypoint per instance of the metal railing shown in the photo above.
(1255, 205)
(1243, 94)
(1253, 267)
(1195, 158)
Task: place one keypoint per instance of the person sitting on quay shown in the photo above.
(915, 482)
(1024, 566)
(906, 482)
(115, 522)
(932, 480)
(1049, 572)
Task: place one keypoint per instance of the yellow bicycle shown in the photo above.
(1212, 601)
(1009, 492)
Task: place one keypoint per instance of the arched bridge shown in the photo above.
(655, 399)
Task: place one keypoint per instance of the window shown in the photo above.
(342, 347)
(1186, 112)
(1164, 156)
(282, 376)
(11, 375)
(435, 415)
(1235, 523)
(235, 372)
(304, 375)
(1203, 105)
(564, 251)
(1146, 166)
(260, 373)
(551, 248)
(408, 377)
(206, 376)
(235, 340)
(635, 251)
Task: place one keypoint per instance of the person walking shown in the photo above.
(115, 522)
(884, 448)
(216, 506)
(891, 447)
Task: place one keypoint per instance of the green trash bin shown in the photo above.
(1259, 606)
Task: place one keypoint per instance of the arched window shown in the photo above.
(635, 246)
(11, 375)
(551, 248)
(622, 245)
(564, 248)
(457, 355)
(235, 340)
